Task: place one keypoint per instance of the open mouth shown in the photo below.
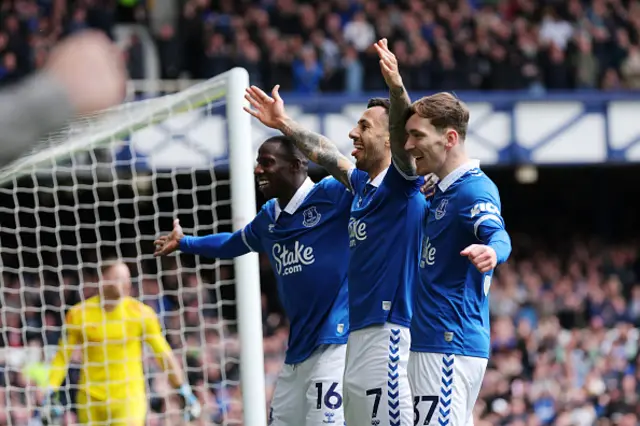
(356, 150)
(263, 183)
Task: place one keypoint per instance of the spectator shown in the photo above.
(359, 32)
(307, 72)
(555, 30)
(586, 65)
(631, 68)
(169, 51)
(353, 71)
(135, 58)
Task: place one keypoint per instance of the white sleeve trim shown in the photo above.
(484, 219)
(244, 240)
(349, 173)
(403, 174)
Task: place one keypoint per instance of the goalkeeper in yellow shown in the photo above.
(110, 329)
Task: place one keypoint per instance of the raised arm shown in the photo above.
(319, 149)
(84, 73)
(400, 102)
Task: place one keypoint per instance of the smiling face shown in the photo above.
(275, 169)
(436, 125)
(371, 139)
(428, 145)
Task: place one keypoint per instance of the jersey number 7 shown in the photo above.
(433, 403)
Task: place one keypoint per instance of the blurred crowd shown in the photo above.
(565, 337)
(315, 46)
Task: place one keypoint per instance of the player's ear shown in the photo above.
(451, 139)
(296, 165)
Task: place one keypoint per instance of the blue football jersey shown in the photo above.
(384, 236)
(451, 311)
(308, 247)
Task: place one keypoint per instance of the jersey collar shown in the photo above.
(378, 180)
(297, 199)
(449, 179)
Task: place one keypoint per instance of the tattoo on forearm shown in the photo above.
(319, 149)
(400, 102)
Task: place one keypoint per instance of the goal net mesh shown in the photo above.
(108, 185)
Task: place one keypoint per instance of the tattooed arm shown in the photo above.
(270, 111)
(318, 149)
(400, 102)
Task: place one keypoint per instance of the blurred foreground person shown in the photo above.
(85, 73)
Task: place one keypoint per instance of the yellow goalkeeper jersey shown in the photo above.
(111, 344)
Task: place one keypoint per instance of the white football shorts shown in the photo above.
(376, 385)
(445, 387)
(310, 393)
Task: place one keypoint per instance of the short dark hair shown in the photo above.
(379, 102)
(444, 110)
(289, 148)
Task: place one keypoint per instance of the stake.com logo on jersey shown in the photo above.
(357, 231)
(428, 254)
(291, 261)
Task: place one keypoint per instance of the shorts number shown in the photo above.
(433, 400)
(332, 399)
(376, 402)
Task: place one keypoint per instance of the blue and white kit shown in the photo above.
(384, 235)
(308, 247)
(450, 328)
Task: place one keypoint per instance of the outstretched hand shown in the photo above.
(167, 244)
(268, 109)
(388, 64)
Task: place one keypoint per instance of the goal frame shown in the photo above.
(243, 207)
(247, 267)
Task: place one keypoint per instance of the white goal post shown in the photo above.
(63, 204)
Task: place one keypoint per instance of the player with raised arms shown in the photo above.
(464, 240)
(303, 229)
(384, 236)
(110, 329)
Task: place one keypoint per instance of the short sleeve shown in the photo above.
(253, 232)
(399, 183)
(479, 203)
(358, 180)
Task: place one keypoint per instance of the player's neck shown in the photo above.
(284, 199)
(373, 172)
(454, 160)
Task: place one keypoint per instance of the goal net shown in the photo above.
(107, 186)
